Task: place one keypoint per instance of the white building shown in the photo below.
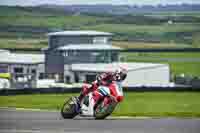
(22, 67)
(139, 74)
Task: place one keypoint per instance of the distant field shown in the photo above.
(180, 55)
(157, 104)
(20, 16)
(178, 33)
(23, 43)
(172, 13)
(151, 29)
(29, 43)
(127, 45)
(130, 30)
(48, 21)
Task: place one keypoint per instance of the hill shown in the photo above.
(157, 27)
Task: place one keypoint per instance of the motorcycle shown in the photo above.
(87, 108)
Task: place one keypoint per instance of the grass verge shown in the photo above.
(153, 104)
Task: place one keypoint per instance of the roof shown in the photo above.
(102, 67)
(3, 50)
(15, 58)
(88, 47)
(79, 33)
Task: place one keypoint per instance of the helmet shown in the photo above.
(120, 74)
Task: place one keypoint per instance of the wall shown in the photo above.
(54, 62)
(157, 76)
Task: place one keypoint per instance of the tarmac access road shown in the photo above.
(23, 121)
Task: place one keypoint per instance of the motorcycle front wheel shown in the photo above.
(69, 108)
(103, 110)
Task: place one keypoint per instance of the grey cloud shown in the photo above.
(65, 2)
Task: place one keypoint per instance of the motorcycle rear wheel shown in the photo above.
(69, 108)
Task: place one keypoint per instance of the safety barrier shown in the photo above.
(77, 90)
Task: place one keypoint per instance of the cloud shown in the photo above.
(68, 2)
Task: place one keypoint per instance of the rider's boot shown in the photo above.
(78, 109)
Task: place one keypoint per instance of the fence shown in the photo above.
(77, 90)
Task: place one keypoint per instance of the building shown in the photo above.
(75, 47)
(77, 56)
(23, 68)
(139, 74)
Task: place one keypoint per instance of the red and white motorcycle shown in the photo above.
(103, 108)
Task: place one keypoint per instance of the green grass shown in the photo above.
(151, 29)
(180, 104)
(188, 68)
(162, 55)
(178, 33)
(130, 45)
(160, 104)
(53, 21)
(23, 43)
(34, 101)
(26, 16)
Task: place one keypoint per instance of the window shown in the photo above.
(65, 53)
(67, 79)
(76, 77)
(90, 78)
(28, 70)
(41, 76)
(114, 57)
(3, 69)
(33, 71)
(18, 70)
(100, 40)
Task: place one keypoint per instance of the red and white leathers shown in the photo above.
(100, 88)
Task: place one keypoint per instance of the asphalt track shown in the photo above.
(15, 121)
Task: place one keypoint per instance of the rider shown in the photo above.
(111, 80)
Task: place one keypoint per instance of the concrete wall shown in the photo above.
(157, 76)
(54, 62)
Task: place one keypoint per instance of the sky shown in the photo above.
(114, 2)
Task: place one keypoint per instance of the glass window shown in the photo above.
(41, 76)
(90, 78)
(28, 70)
(115, 57)
(18, 70)
(33, 71)
(65, 53)
(100, 40)
(3, 69)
